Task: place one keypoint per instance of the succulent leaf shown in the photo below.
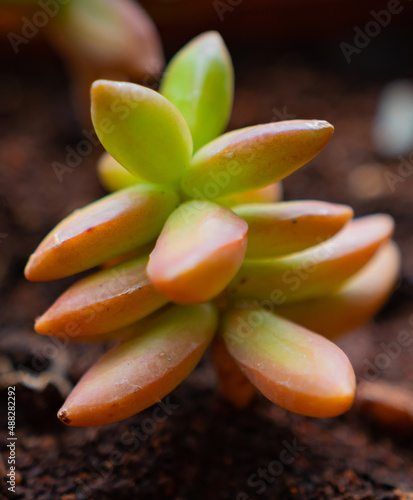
(198, 252)
(267, 194)
(105, 301)
(111, 226)
(199, 81)
(233, 385)
(113, 176)
(293, 367)
(253, 157)
(142, 130)
(358, 299)
(140, 371)
(276, 229)
(316, 271)
(110, 35)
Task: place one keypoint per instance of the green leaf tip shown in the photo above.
(199, 81)
(142, 130)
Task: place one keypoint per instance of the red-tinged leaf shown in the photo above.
(314, 272)
(198, 252)
(358, 299)
(253, 157)
(105, 301)
(276, 229)
(295, 368)
(233, 385)
(111, 226)
(140, 371)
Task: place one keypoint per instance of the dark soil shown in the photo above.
(204, 449)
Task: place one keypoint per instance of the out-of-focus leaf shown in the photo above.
(113, 176)
(233, 385)
(113, 36)
(314, 272)
(358, 299)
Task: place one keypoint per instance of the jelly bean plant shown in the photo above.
(194, 248)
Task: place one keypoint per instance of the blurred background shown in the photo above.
(348, 62)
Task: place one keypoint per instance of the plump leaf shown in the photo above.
(387, 405)
(140, 371)
(314, 272)
(276, 229)
(142, 130)
(111, 226)
(267, 194)
(253, 157)
(113, 176)
(293, 367)
(199, 81)
(233, 385)
(358, 299)
(109, 36)
(198, 252)
(102, 302)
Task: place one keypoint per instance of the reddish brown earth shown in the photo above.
(204, 449)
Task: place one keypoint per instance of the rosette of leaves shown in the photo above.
(195, 247)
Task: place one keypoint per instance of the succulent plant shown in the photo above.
(195, 247)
